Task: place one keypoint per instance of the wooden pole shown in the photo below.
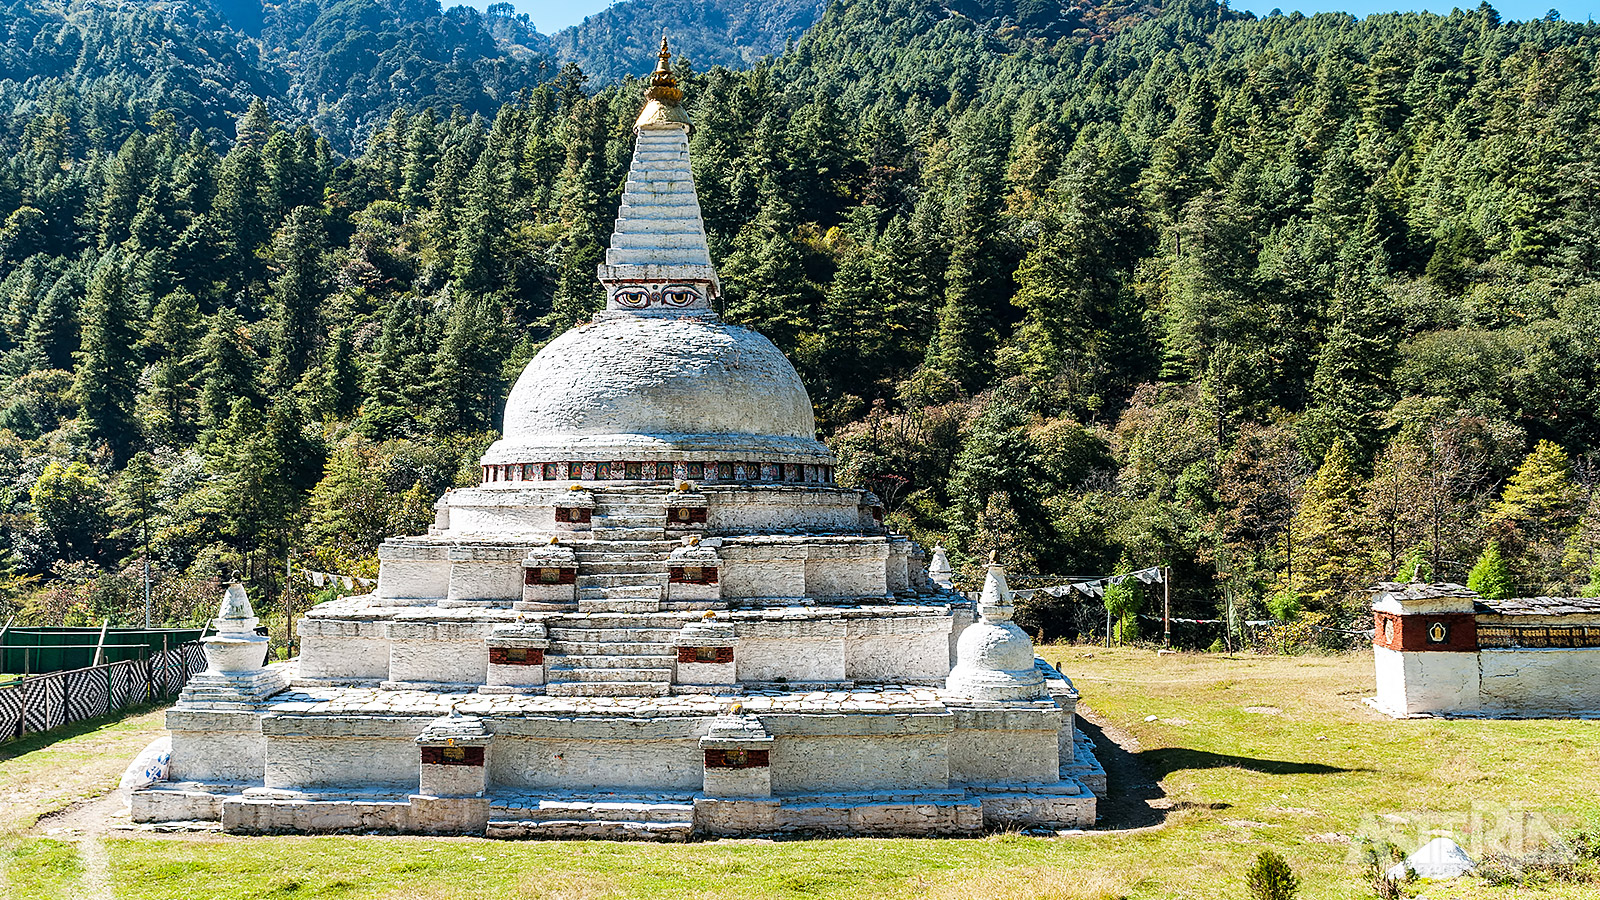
(100, 646)
(1166, 606)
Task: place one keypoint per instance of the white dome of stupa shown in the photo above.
(646, 387)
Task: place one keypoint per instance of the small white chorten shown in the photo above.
(994, 658)
(236, 649)
(939, 571)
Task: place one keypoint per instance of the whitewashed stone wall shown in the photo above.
(1557, 681)
(848, 570)
(505, 510)
(633, 754)
(1431, 682)
(1005, 745)
(485, 573)
(412, 571)
(216, 745)
(862, 753)
(343, 649)
(796, 651)
(763, 571)
(349, 752)
(778, 508)
(883, 649)
(443, 652)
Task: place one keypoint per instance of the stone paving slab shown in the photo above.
(367, 701)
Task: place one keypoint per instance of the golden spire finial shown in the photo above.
(663, 86)
(662, 95)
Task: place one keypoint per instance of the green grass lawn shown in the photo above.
(1244, 753)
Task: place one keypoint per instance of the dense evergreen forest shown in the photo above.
(1292, 304)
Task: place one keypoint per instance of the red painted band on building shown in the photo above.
(736, 759)
(705, 654)
(692, 574)
(452, 756)
(1457, 632)
(516, 656)
(549, 575)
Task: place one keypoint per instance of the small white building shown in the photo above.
(1440, 649)
(657, 616)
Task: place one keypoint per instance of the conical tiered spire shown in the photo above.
(658, 263)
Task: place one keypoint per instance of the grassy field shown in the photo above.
(1215, 758)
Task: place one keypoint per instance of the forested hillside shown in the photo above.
(619, 41)
(1289, 303)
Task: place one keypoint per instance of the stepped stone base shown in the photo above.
(625, 817)
(927, 763)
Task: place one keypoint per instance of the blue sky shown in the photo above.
(553, 15)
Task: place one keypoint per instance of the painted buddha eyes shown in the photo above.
(678, 295)
(673, 295)
(633, 298)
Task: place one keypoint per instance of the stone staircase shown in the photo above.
(611, 655)
(618, 645)
(621, 569)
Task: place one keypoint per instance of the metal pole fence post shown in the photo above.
(1166, 606)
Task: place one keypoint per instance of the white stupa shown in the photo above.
(657, 616)
(994, 658)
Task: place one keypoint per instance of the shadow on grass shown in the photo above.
(1135, 798)
(1164, 761)
(31, 742)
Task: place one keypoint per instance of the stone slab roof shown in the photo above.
(1420, 591)
(1540, 606)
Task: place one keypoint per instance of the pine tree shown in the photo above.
(255, 128)
(53, 331)
(227, 369)
(1327, 534)
(467, 386)
(341, 376)
(167, 409)
(1354, 381)
(242, 211)
(853, 331)
(585, 190)
(297, 294)
(764, 279)
(106, 365)
(481, 239)
(1541, 495)
(1491, 574)
(977, 286)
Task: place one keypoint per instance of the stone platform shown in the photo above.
(925, 762)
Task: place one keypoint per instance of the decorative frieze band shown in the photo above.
(710, 472)
(1539, 637)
